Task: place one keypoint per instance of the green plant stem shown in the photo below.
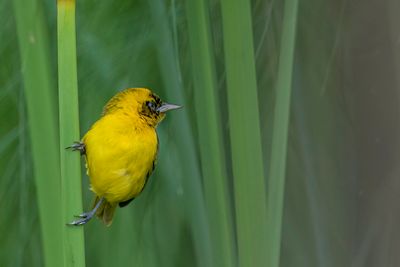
(71, 192)
(210, 139)
(276, 183)
(40, 99)
(247, 158)
(194, 204)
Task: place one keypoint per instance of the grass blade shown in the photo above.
(210, 138)
(180, 129)
(276, 183)
(42, 115)
(71, 192)
(247, 158)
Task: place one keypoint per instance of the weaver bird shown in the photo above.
(121, 150)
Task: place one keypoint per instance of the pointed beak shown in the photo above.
(166, 106)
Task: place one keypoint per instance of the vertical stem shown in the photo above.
(210, 139)
(276, 183)
(42, 116)
(194, 206)
(247, 158)
(71, 189)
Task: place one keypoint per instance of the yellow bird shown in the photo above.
(121, 150)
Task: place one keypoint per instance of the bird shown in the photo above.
(120, 150)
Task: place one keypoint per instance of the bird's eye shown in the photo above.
(151, 105)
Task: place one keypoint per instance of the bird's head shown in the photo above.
(141, 103)
(152, 108)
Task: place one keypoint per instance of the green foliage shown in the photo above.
(244, 124)
(71, 190)
(276, 185)
(237, 183)
(209, 136)
(39, 92)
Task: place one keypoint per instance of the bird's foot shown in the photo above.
(78, 146)
(84, 218)
(83, 215)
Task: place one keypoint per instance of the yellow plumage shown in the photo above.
(121, 149)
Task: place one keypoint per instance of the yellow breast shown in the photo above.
(119, 157)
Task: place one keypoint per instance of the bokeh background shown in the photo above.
(341, 198)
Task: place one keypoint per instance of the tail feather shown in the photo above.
(105, 211)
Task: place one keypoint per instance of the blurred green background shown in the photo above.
(342, 184)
